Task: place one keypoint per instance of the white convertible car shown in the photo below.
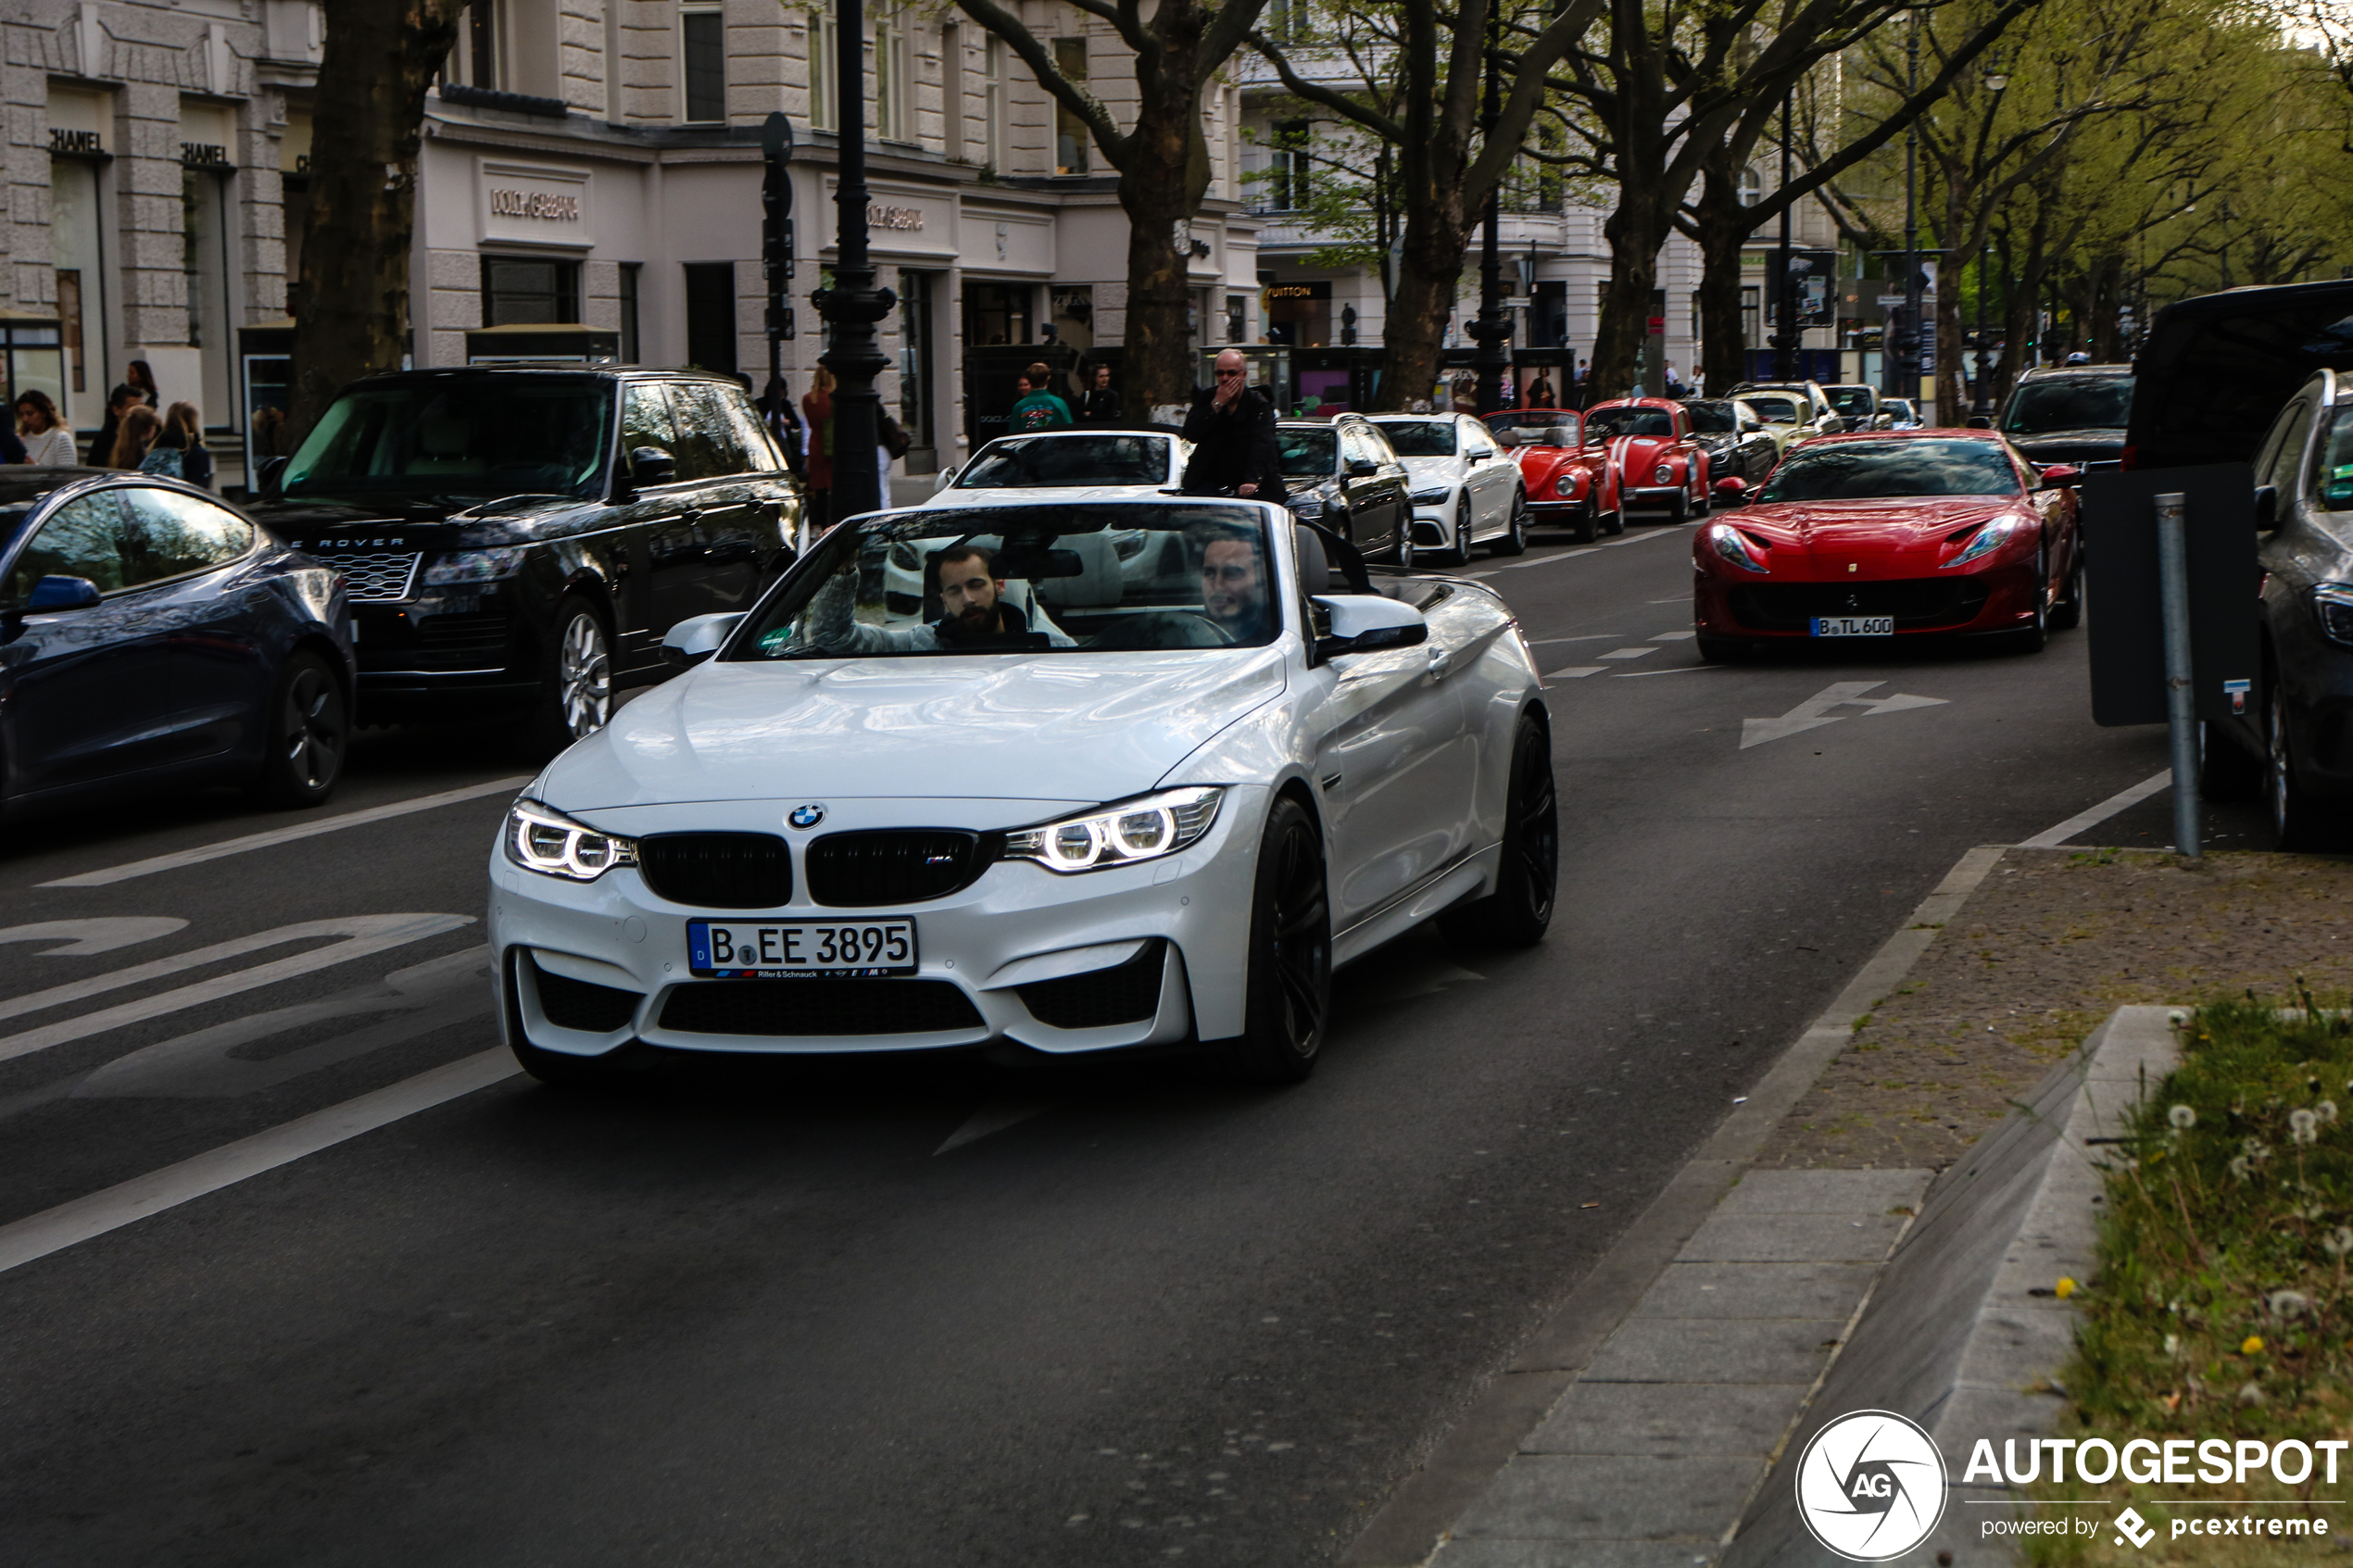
(1103, 813)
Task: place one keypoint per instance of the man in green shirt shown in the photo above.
(1036, 408)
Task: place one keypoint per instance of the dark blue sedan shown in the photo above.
(151, 635)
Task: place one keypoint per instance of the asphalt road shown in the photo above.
(913, 1312)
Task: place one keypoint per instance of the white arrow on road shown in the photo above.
(1815, 711)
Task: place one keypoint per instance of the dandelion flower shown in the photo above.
(2326, 1112)
(2251, 1346)
(2064, 1288)
(2172, 1344)
(2183, 1117)
(2304, 1127)
(2238, 1167)
(2288, 1304)
(2177, 1017)
(2339, 1242)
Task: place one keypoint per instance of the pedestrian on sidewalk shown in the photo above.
(1232, 430)
(818, 405)
(47, 443)
(1036, 408)
(141, 425)
(179, 451)
(1099, 405)
(122, 399)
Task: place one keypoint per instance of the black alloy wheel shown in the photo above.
(1517, 913)
(2295, 810)
(1458, 552)
(308, 730)
(1512, 541)
(2033, 636)
(2067, 613)
(1288, 989)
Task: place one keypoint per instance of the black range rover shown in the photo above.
(519, 537)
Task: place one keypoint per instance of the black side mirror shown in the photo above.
(1361, 468)
(1980, 421)
(2267, 509)
(651, 465)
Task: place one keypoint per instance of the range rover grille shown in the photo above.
(375, 576)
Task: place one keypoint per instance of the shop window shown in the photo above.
(711, 316)
(1236, 318)
(1072, 139)
(702, 48)
(914, 355)
(527, 289)
(629, 275)
(996, 313)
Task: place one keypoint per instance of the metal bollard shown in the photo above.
(2181, 703)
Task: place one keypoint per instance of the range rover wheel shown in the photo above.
(575, 681)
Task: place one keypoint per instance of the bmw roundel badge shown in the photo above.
(807, 816)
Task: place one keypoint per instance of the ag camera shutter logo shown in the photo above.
(1870, 1485)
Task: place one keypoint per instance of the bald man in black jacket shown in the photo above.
(1232, 430)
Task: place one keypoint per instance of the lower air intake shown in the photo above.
(785, 1009)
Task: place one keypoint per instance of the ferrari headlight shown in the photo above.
(1431, 497)
(1117, 836)
(2334, 601)
(476, 566)
(1733, 546)
(1991, 537)
(553, 845)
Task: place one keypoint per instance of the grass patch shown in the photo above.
(2222, 1306)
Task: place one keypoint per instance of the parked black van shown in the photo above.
(520, 536)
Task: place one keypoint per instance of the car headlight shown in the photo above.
(1566, 484)
(476, 566)
(2334, 603)
(1734, 547)
(1118, 836)
(1431, 497)
(548, 842)
(1991, 537)
(1308, 504)
(1663, 475)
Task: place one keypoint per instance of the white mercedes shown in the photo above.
(1093, 814)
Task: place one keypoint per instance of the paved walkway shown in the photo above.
(1649, 1457)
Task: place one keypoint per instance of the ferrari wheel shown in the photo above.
(2031, 637)
(1289, 984)
(2067, 613)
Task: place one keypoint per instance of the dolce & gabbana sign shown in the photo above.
(534, 204)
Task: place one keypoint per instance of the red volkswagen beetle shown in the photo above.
(1656, 462)
(1567, 475)
(1893, 534)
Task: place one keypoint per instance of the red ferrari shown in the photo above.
(1658, 464)
(1893, 534)
(1567, 471)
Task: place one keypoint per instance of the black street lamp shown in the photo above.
(1907, 350)
(1786, 336)
(1981, 405)
(1493, 325)
(853, 305)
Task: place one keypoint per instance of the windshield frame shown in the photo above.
(2055, 388)
(1454, 435)
(596, 485)
(1598, 420)
(1061, 438)
(1815, 453)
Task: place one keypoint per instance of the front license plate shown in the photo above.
(1854, 626)
(795, 949)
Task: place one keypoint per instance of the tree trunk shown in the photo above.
(1722, 226)
(1431, 267)
(1635, 230)
(378, 62)
(1161, 187)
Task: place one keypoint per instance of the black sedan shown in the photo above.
(1341, 473)
(1734, 437)
(151, 635)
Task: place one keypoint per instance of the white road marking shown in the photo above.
(2052, 839)
(1676, 669)
(1575, 672)
(83, 937)
(362, 934)
(53, 1230)
(994, 1117)
(1815, 711)
(284, 835)
(1626, 653)
(1679, 599)
(1547, 560)
(1588, 637)
(1637, 538)
(1674, 636)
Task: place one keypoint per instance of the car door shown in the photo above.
(664, 544)
(1370, 500)
(721, 507)
(1396, 484)
(90, 693)
(216, 611)
(1492, 478)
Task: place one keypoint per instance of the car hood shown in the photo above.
(1433, 471)
(1865, 529)
(423, 523)
(1081, 727)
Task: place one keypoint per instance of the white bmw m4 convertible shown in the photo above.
(1054, 805)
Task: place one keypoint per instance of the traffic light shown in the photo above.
(775, 224)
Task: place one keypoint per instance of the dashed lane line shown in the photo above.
(1588, 637)
(1575, 672)
(1674, 636)
(53, 1230)
(275, 836)
(1671, 670)
(1628, 653)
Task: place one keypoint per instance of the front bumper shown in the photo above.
(1664, 496)
(1015, 928)
(1998, 599)
(435, 654)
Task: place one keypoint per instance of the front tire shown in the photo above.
(308, 728)
(1288, 991)
(2295, 806)
(1458, 552)
(1518, 911)
(2032, 638)
(575, 684)
(1615, 526)
(2067, 613)
(1514, 539)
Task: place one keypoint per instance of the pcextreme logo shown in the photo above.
(1870, 1485)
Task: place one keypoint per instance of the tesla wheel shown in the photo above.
(2067, 613)
(1289, 989)
(1721, 650)
(575, 683)
(2226, 770)
(2295, 810)
(308, 728)
(1512, 541)
(1517, 913)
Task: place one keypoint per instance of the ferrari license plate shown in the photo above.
(796, 949)
(1854, 626)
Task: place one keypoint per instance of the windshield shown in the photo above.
(1053, 462)
(1306, 454)
(1851, 400)
(2069, 403)
(1774, 410)
(474, 440)
(2332, 475)
(1713, 419)
(1028, 580)
(1420, 438)
(1856, 471)
(1607, 422)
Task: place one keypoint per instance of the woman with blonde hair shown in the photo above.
(140, 427)
(179, 450)
(47, 443)
(817, 403)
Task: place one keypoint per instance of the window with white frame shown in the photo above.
(892, 114)
(1073, 140)
(479, 58)
(824, 98)
(702, 58)
(952, 87)
(994, 151)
